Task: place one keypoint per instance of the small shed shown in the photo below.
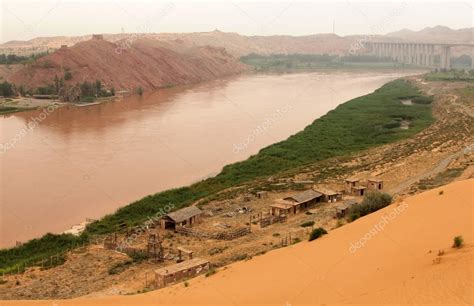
(186, 269)
(262, 194)
(374, 184)
(281, 207)
(329, 195)
(350, 183)
(343, 208)
(183, 217)
(358, 190)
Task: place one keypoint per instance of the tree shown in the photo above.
(6, 89)
(140, 91)
(67, 75)
(98, 87)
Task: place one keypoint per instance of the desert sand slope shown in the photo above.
(398, 263)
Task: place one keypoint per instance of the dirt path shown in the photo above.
(444, 163)
(440, 167)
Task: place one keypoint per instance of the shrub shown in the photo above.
(458, 242)
(138, 256)
(373, 201)
(119, 267)
(67, 75)
(307, 224)
(316, 233)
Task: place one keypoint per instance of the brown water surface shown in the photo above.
(85, 162)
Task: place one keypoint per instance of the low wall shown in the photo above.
(223, 235)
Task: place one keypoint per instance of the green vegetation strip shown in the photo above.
(284, 62)
(356, 125)
(451, 75)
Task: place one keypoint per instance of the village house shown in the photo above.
(281, 207)
(295, 203)
(374, 184)
(186, 269)
(358, 191)
(343, 208)
(351, 183)
(353, 186)
(328, 195)
(184, 217)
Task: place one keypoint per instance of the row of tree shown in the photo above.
(8, 59)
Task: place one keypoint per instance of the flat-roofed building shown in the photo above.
(186, 269)
(375, 184)
(183, 217)
(328, 195)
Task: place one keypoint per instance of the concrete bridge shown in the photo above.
(420, 54)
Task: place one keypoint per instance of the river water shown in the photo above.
(84, 162)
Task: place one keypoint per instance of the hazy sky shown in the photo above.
(26, 19)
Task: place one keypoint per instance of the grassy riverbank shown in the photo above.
(359, 124)
(308, 62)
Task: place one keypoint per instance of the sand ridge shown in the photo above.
(397, 264)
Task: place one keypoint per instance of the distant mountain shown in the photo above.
(239, 45)
(146, 63)
(437, 34)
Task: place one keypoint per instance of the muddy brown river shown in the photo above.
(84, 162)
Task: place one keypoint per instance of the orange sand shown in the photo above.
(397, 265)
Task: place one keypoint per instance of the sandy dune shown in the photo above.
(398, 263)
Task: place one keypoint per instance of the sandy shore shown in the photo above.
(388, 257)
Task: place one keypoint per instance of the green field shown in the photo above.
(298, 62)
(451, 75)
(359, 124)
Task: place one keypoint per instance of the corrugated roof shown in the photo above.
(184, 213)
(326, 191)
(305, 196)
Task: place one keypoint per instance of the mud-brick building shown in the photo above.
(184, 217)
(295, 203)
(374, 184)
(177, 272)
(351, 183)
(343, 208)
(328, 195)
(358, 191)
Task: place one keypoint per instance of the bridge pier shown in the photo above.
(445, 57)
